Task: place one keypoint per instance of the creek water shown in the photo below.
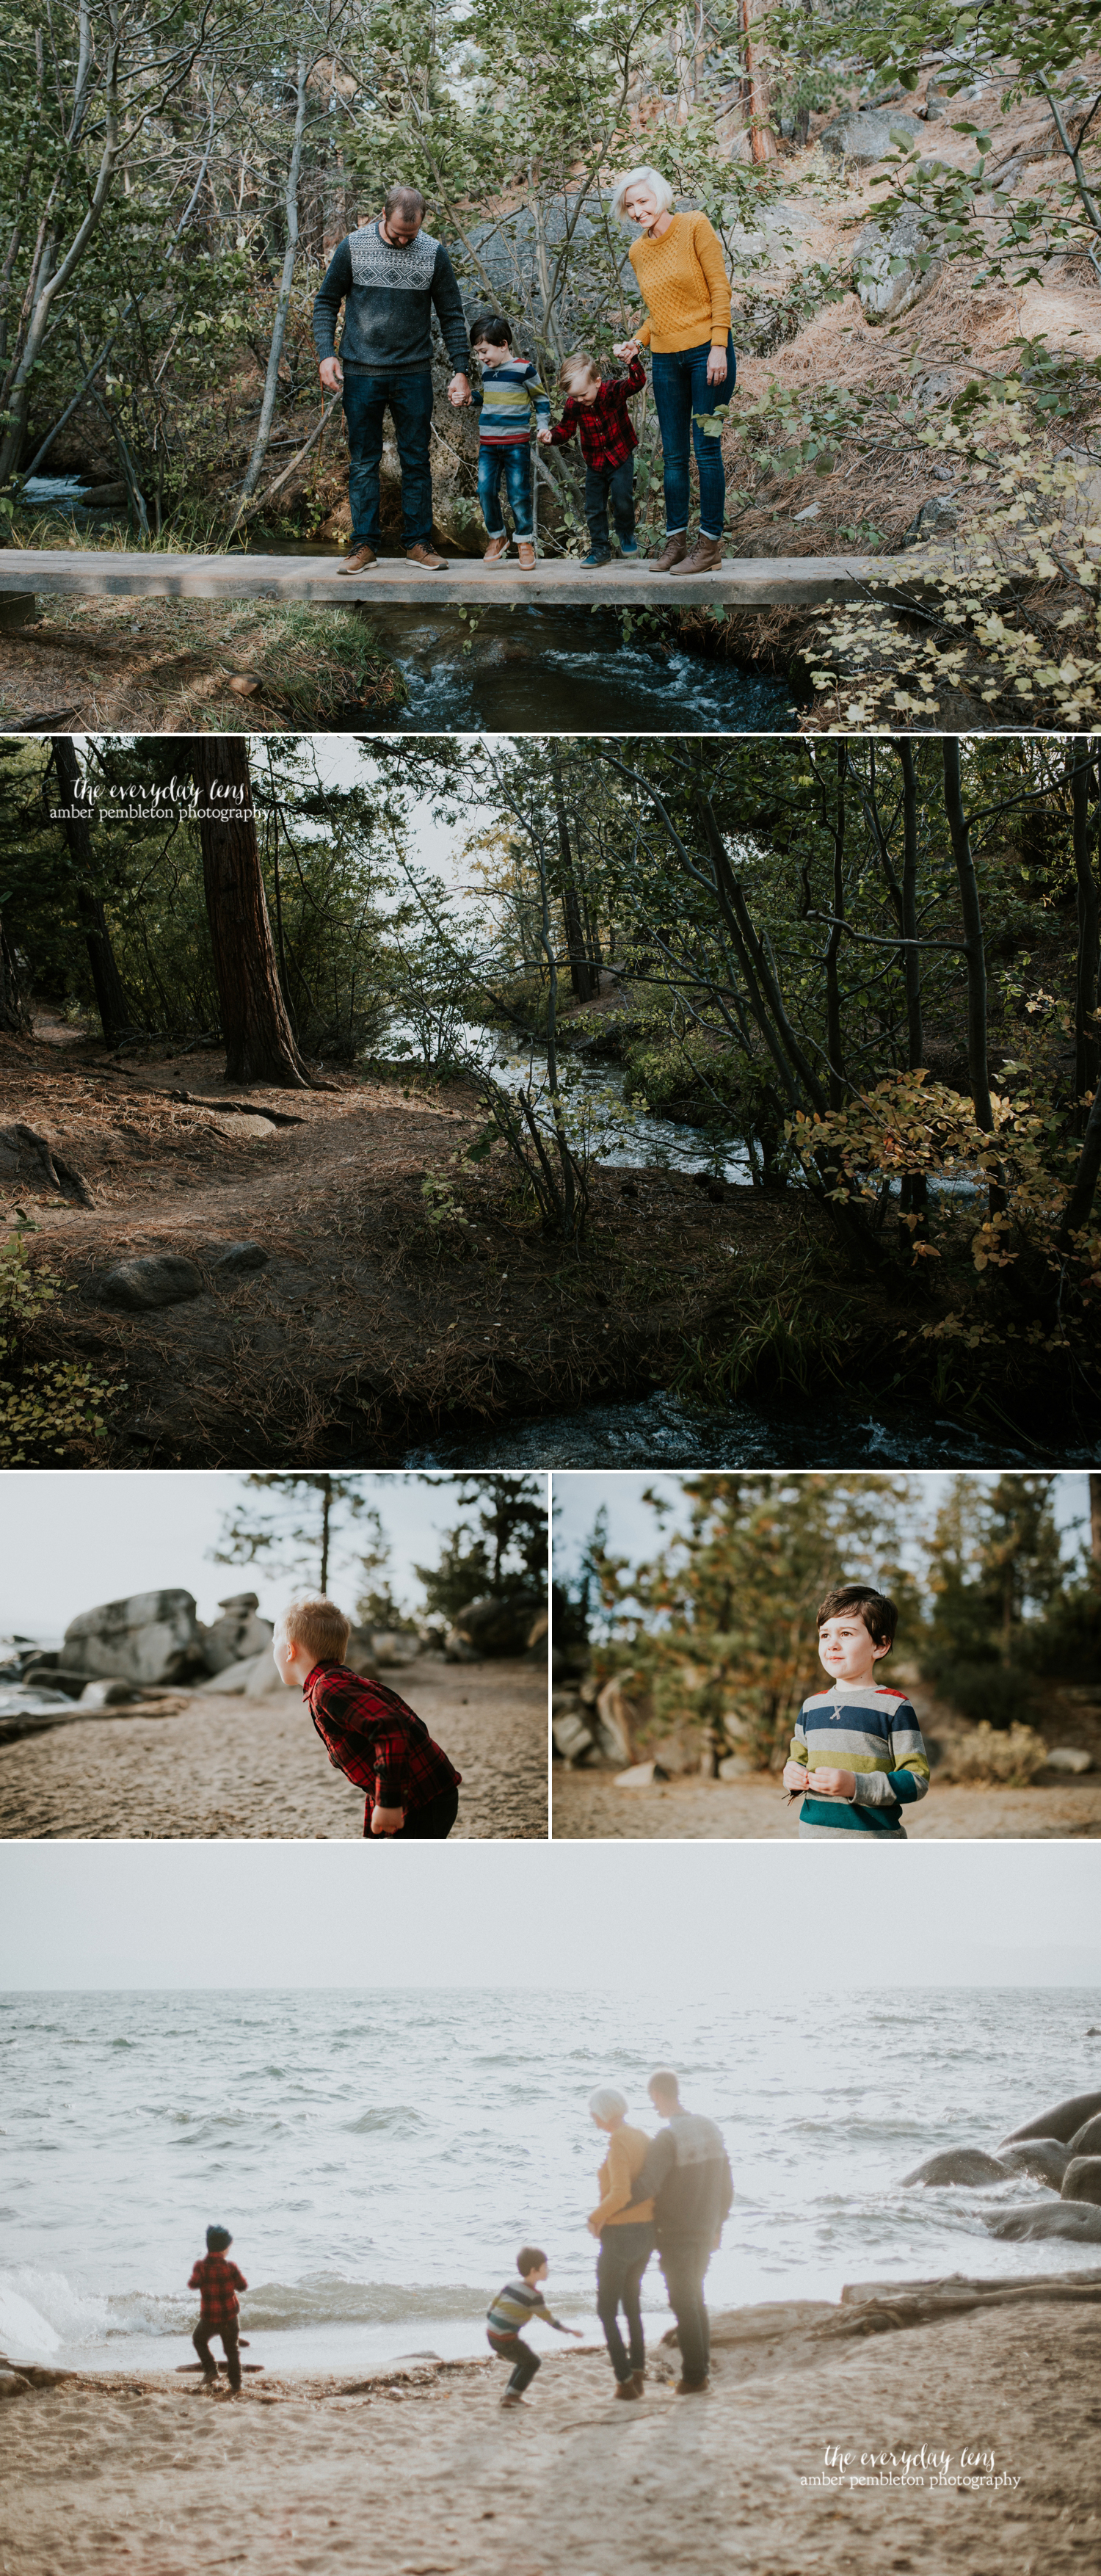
(379, 2155)
(565, 670)
(551, 670)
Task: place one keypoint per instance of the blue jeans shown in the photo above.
(407, 395)
(617, 485)
(681, 389)
(514, 462)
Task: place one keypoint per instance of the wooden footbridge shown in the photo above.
(741, 581)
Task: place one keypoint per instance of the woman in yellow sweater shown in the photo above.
(679, 264)
(626, 2237)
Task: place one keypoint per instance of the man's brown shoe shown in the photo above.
(673, 552)
(626, 2388)
(690, 2387)
(525, 555)
(706, 556)
(638, 2382)
(426, 556)
(360, 561)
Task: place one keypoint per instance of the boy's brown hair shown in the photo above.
(529, 2259)
(576, 366)
(316, 1624)
(877, 1610)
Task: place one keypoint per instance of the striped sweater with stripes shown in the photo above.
(504, 403)
(872, 1732)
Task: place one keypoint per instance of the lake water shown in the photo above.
(379, 2158)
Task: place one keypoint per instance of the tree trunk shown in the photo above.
(762, 140)
(975, 949)
(1076, 1213)
(279, 327)
(833, 990)
(914, 1198)
(1095, 1524)
(110, 992)
(581, 974)
(1086, 1049)
(257, 1032)
(326, 1518)
(15, 1018)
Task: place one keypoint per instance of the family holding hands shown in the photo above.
(390, 276)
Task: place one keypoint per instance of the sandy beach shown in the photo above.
(220, 1767)
(587, 1806)
(154, 2472)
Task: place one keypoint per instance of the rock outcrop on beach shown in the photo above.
(147, 1637)
(969, 2166)
(237, 1635)
(1065, 2121)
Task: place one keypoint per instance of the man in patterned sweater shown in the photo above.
(368, 1732)
(857, 1750)
(390, 275)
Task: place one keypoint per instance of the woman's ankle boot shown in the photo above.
(706, 556)
(674, 550)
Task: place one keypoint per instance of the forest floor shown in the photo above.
(381, 1314)
(219, 1767)
(118, 2469)
(194, 665)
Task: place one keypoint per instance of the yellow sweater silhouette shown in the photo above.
(684, 286)
(618, 2175)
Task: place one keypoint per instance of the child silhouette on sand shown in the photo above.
(217, 2283)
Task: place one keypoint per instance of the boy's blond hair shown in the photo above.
(578, 364)
(316, 1624)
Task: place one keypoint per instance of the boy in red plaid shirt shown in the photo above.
(599, 413)
(368, 1732)
(217, 2283)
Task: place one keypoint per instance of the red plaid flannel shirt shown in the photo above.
(376, 1739)
(218, 2283)
(604, 427)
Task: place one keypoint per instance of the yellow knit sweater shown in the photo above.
(684, 286)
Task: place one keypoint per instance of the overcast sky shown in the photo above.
(701, 1917)
(633, 1530)
(72, 1540)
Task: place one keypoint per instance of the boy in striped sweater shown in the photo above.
(510, 391)
(857, 1751)
(521, 2303)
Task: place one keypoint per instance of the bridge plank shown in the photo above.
(796, 581)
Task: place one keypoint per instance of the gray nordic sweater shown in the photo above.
(388, 296)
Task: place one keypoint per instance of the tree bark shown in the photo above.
(15, 1018)
(833, 989)
(975, 949)
(257, 1032)
(1077, 1211)
(914, 1198)
(762, 140)
(110, 992)
(1095, 1523)
(254, 467)
(1087, 1053)
(581, 974)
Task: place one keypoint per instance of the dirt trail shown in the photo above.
(369, 1323)
(223, 1767)
(151, 2472)
(588, 1807)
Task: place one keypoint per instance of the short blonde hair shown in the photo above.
(644, 178)
(316, 1624)
(578, 364)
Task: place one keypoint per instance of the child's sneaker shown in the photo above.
(496, 551)
(628, 547)
(525, 555)
(596, 557)
(512, 2397)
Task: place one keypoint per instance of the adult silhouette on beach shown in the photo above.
(390, 275)
(626, 2238)
(678, 261)
(686, 2175)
